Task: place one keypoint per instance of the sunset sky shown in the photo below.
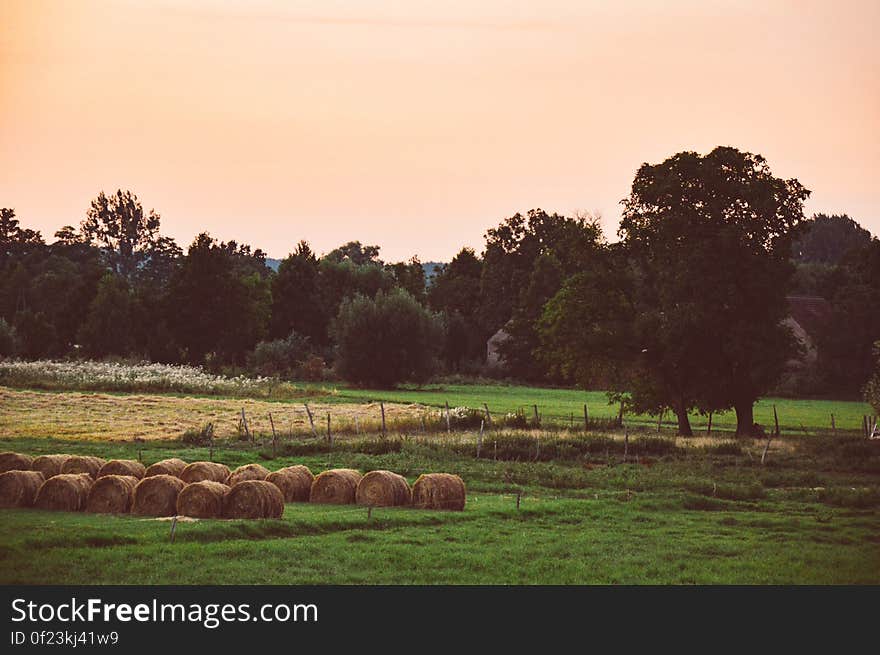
(417, 125)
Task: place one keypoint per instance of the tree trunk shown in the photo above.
(745, 418)
(684, 423)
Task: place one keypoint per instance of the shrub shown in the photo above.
(199, 437)
(313, 368)
(281, 357)
(463, 417)
(386, 340)
(872, 389)
(515, 419)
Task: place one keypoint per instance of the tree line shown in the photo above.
(683, 313)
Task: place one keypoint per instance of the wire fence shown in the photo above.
(302, 423)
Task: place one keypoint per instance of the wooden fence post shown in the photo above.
(244, 424)
(537, 418)
(329, 442)
(586, 418)
(709, 427)
(620, 416)
(488, 415)
(448, 421)
(382, 407)
(311, 421)
(274, 435)
(833, 427)
(766, 448)
(480, 439)
(625, 444)
(775, 421)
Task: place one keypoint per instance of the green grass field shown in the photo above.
(564, 406)
(702, 514)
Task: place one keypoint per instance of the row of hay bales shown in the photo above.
(207, 489)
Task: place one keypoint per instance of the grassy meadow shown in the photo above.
(592, 510)
(547, 503)
(82, 414)
(564, 406)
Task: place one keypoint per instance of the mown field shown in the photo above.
(661, 513)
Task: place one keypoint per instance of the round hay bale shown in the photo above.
(66, 492)
(335, 487)
(111, 494)
(171, 466)
(253, 499)
(156, 495)
(198, 471)
(383, 489)
(295, 483)
(439, 491)
(202, 500)
(83, 464)
(128, 467)
(50, 465)
(19, 488)
(247, 472)
(15, 462)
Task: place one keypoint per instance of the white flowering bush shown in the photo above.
(462, 417)
(515, 420)
(112, 376)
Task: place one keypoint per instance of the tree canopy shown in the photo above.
(684, 313)
(706, 243)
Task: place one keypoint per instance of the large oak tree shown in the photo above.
(711, 236)
(706, 246)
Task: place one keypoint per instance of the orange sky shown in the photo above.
(415, 124)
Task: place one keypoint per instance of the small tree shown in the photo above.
(296, 299)
(127, 235)
(455, 291)
(13, 238)
(386, 340)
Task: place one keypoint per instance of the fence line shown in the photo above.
(434, 419)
